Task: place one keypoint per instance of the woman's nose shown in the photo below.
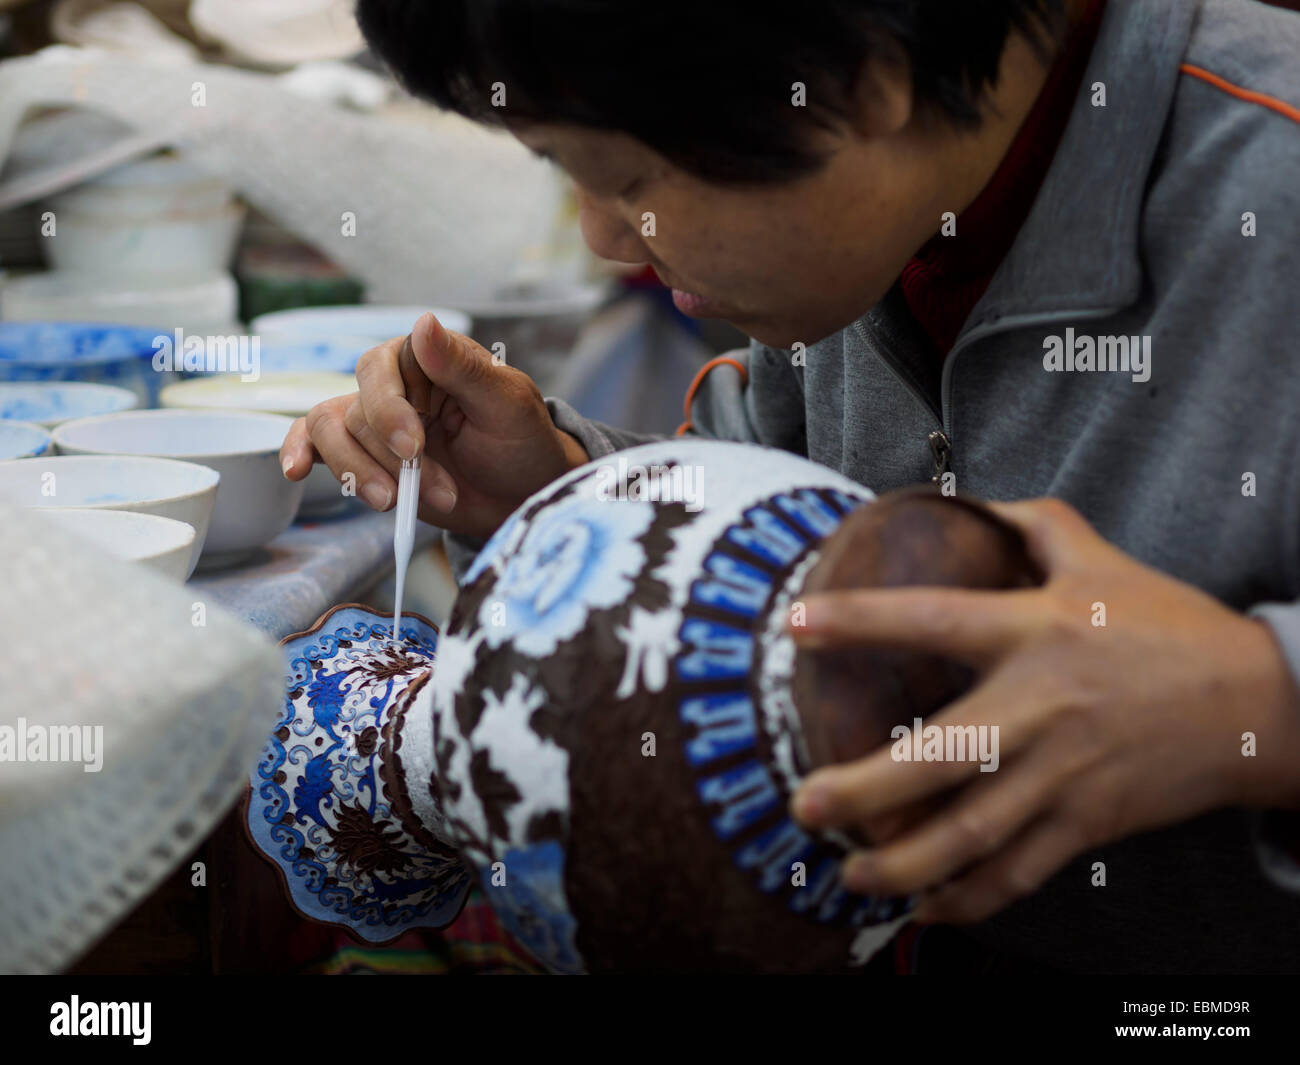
(607, 233)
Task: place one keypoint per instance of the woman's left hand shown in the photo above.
(1122, 700)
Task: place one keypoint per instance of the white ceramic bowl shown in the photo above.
(176, 247)
(22, 440)
(153, 218)
(276, 392)
(145, 189)
(47, 403)
(167, 488)
(255, 503)
(293, 394)
(162, 544)
(376, 321)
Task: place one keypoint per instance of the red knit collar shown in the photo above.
(947, 277)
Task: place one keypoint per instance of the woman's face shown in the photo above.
(797, 261)
(783, 263)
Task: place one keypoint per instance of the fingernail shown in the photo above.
(812, 804)
(859, 874)
(403, 444)
(441, 499)
(287, 466)
(377, 496)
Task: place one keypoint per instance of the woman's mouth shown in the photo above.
(693, 305)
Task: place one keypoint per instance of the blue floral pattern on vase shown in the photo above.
(574, 558)
(329, 805)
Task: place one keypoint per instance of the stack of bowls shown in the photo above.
(254, 503)
(155, 217)
(177, 497)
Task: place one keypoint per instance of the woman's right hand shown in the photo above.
(487, 439)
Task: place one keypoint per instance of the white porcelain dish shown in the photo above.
(293, 394)
(255, 503)
(48, 403)
(275, 392)
(162, 544)
(184, 491)
(22, 440)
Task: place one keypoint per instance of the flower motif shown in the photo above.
(575, 558)
(326, 696)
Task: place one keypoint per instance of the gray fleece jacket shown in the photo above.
(1164, 245)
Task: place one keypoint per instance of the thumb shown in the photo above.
(455, 364)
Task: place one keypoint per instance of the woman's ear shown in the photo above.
(883, 92)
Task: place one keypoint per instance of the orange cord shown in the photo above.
(705, 370)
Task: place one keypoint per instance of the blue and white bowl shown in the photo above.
(22, 440)
(120, 355)
(47, 403)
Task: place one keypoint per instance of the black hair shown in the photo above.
(709, 84)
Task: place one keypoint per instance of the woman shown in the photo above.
(1027, 248)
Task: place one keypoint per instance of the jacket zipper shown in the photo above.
(941, 452)
(940, 440)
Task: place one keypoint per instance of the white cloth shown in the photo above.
(92, 641)
(423, 208)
